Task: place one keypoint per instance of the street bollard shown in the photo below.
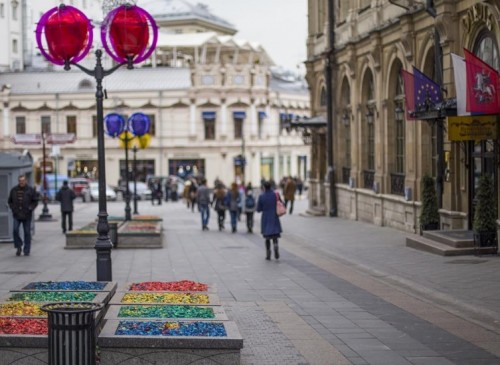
(72, 332)
(113, 234)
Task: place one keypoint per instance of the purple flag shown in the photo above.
(426, 91)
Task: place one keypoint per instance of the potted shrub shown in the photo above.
(485, 213)
(429, 215)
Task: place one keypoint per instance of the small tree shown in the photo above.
(485, 211)
(429, 215)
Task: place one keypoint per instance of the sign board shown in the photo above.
(472, 128)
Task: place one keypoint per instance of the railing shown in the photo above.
(368, 179)
(346, 174)
(398, 184)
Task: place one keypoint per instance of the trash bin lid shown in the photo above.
(71, 307)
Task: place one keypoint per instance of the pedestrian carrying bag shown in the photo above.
(280, 207)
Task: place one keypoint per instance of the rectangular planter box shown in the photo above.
(129, 350)
(85, 238)
(109, 288)
(117, 298)
(140, 239)
(219, 314)
(212, 289)
(101, 297)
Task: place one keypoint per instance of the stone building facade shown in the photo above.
(211, 97)
(380, 156)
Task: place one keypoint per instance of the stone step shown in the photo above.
(453, 238)
(438, 248)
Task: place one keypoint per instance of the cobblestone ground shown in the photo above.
(343, 292)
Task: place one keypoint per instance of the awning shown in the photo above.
(208, 115)
(50, 138)
(239, 115)
(314, 122)
(262, 115)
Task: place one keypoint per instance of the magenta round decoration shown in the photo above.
(129, 32)
(68, 35)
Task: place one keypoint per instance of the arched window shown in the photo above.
(486, 49)
(484, 155)
(398, 176)
(345, 108)
(368, 93)
(322, 97)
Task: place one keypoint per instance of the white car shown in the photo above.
(91, 193)
(143, 192)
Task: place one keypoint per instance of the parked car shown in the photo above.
(91, 192)
(78, 184)
(143, 192)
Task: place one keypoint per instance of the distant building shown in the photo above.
(218, 106)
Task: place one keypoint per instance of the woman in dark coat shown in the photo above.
(270, 222)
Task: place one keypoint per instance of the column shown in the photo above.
(253, 119)
(192, 118)
(6, 122)
(223, 118)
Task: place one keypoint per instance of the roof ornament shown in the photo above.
(108, 5)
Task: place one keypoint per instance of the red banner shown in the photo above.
(482, 86)
(409, 82)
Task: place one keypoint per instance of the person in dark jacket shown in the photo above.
(218, 204)
(232, 202)
(270, 222)
(23, 199)
(66, 196)
(203, 199)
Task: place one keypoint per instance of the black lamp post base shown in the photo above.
(45, 218)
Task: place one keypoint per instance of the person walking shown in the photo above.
(192, 194)
(203, 198)
(156, 192)
(232, 201)
(218, 204)
(270, 222)
(167, 189)
(250, 206)
(66, 196)
(289, 193)
(22, 201)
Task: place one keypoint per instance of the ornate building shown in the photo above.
(380, 156)
(212, 99)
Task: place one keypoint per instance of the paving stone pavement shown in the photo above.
(343, 292)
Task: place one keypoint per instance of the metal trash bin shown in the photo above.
(113, 234)
(72, 332)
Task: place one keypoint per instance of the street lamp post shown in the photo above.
(134, 149)
(135, 128)
(329, 75)
(125, 35)
(127, 188)
(45, 210)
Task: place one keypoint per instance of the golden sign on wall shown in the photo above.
(472, 128)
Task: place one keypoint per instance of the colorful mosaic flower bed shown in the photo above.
(150, 328)
(173, 298)
(21, 309)
(66, 285)
(140, 226)
(23, 326)
(165, 311)
(51, 296)
(146, 218)
(90, 228)
(182, 285)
